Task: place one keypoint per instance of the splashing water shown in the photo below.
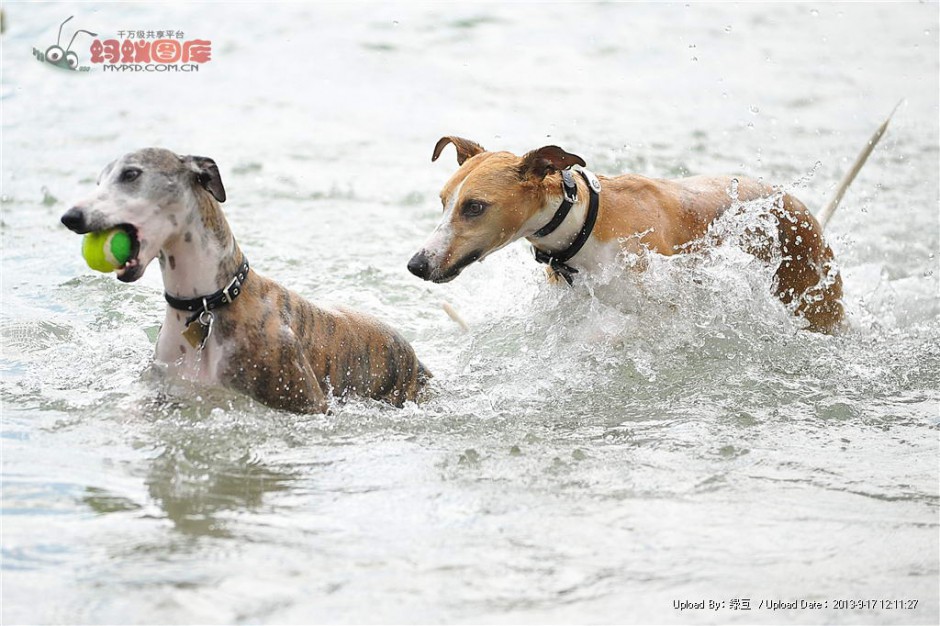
(665, 430)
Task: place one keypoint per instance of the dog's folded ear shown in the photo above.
(542, 162)
(207, 175)
(465, 148)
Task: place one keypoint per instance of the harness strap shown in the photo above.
(570, 191)
(204, 304)
(558, 261)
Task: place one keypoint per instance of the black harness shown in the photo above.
(204, 304)
(558, 261)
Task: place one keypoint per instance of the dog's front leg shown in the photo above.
(282, 379)
(300, 393)
(309, 393)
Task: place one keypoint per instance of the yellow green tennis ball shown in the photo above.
(106, 250)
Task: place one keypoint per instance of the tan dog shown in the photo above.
(580, 223)
(225, 323)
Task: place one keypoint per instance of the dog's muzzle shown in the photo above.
(420, 266)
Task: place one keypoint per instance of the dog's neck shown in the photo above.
(203, 256)
(561, 237)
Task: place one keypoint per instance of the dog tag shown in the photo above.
(592, 180)
(197, 333)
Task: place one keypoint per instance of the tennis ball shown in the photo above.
(106, 250)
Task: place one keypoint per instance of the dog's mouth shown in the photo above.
(457, 267)
(132, 269)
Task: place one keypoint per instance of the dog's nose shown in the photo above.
(419, 265)
(74, 220)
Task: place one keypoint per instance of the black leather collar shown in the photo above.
(220, 298)
(570, 192)
(559, 260)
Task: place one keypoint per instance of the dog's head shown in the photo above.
(152, 194)
(493, 199)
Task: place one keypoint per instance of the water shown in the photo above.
(587, 455)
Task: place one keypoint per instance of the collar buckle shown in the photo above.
(558, 261)
(232, 289)
(223, 296)
(568, 187)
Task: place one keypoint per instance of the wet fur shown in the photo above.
(663, 216)
(269, 342)
(291, 354)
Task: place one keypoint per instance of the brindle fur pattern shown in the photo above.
(291, 354)
(636, 213)
(269, 343)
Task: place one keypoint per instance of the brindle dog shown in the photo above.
(267, 342)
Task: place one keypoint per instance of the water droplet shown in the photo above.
(753, 109)
(695, 58)
(728, 28)
(927, 31)
(814, 12)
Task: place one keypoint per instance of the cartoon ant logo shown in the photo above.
(65, 59)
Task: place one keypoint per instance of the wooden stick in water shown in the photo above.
(452, 313)
(825, 215)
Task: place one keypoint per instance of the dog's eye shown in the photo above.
(129, 175)
(473, 208)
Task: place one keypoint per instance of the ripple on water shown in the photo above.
(583, 454)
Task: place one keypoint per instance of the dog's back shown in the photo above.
(675, 213)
